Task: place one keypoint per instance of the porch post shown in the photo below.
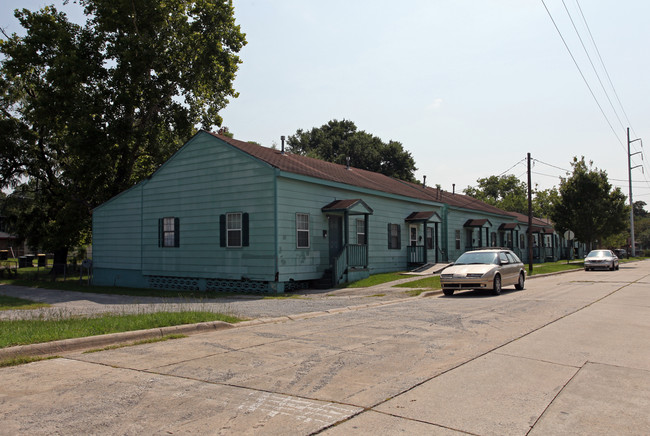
(366, 240)
(425, 242)
(365, 227)
(435, 240)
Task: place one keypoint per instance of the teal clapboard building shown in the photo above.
(227, 215)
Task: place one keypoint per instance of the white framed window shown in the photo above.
(233, 229)
(429, 238)
(302, 230)
(361, 232)
(457, 239)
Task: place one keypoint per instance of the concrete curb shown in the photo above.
(100, 341)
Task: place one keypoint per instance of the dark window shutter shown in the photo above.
(160, 232)
(399, 237)
(177, 232)
(244, 228)
(389, 246)
(222, 230)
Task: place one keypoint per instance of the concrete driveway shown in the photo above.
(568, 355)
(70, 303)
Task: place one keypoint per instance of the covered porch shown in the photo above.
(348, 257)
(477, 233)
(509, 237)
(423, 246)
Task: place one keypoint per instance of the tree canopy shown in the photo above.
(511, 194)
(338, 140)
(88, 110)
(588, 205)
(505, 192)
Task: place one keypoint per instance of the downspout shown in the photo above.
(444, 227)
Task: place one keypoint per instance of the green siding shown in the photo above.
(117, 232)
(208, 178)
(296, 196)
(203, 180)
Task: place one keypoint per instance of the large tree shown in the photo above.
(511, 194)
(338, 140)
(87, 110)
(588, 205)
(505, 192)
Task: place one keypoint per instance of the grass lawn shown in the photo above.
(432, 282)
(23, 332)
(21, 360)
(550, 267)
(376, 279)
(13, 303)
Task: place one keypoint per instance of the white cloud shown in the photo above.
(435, 104)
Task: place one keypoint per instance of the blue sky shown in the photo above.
(468, 87)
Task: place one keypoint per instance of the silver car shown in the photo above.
(484, 269)
(601, 259)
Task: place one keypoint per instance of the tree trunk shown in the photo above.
(60, 260)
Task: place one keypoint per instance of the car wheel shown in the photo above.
(448, 292)
(616, 267)
(586, 269)
(520, 284)
(496, 288)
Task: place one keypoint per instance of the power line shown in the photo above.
(511, 167)
(592, 64)
(602, 63)
(547, 175)
(582, 75)
(552, 166)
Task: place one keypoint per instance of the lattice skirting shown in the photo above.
(179, 283)
(238, 286)
(223, 285)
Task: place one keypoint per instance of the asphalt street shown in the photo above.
(568, 355)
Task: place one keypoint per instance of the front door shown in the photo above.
(413, 235)
(335, 236)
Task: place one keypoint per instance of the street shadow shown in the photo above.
(479, 293)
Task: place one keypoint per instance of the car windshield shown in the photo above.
(599, 253)
(477, 258)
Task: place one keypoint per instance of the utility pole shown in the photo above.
(629, 173)
(530, 222)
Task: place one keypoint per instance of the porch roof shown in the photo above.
(478, 223)
(509, 226)
(430, 216)
(354, 207)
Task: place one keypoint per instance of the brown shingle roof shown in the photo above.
(476, 222)
(538, 222)
(420, 216)
(320, 169)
